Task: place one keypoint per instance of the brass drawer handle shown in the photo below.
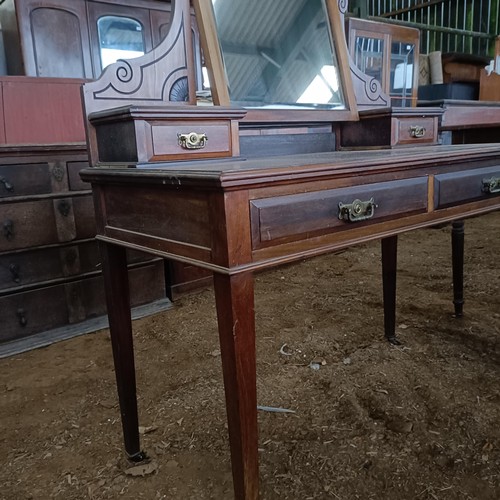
(491, 185)
(357, 210)
(6, 184)
(417, 131)
(192, 140)
(8, 229)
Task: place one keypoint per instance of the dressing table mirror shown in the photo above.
(255, 180)
(290, 56)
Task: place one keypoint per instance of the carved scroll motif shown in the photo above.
(367, 89)
(161, 75)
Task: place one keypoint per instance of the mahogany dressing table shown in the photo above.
(169, 179)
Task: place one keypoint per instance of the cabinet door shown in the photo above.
(117, 32)
(55, 41)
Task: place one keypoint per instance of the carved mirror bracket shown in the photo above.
(368, 90)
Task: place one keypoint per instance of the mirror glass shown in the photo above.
(402, 62)
(369, 56)
(119, 38)
(278, 54)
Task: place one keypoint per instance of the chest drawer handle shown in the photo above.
(7, 185)
(357, 210)
(417, 131)
(192, 140)
(14, 271)
(8, 229)
(64, 208)
(21, 314)
(491, 185)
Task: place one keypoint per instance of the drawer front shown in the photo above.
(74, 180)
(39, 310)
(23, 180)
(416, 130)
(46, 264)
(469, 185)
(44, 222)
(294, 217)
(213, 139)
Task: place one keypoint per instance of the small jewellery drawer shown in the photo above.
(176, 139)
(416, 130)
(469, 185)
(296, 216)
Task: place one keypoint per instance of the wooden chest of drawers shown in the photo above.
(50, 272)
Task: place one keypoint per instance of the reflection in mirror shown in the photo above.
(402, 62)
(369, 56)
(278, 56)
(119, 38)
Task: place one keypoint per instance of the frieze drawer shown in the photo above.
(296, 216)
(44, 222)
(469, 185)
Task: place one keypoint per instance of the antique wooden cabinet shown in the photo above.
(90, 34)
(50, 271)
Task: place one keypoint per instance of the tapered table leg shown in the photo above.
(389, 267)
(114, 267)
(234, 297)
(457, 256)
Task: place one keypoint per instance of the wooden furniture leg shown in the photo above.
(389, 265)
(457, 257)
(114, 267)
(234, 297)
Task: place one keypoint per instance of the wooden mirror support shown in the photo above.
(145, 110)
(368, 91)
(357, 88)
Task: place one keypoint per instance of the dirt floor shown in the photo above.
(418, 421)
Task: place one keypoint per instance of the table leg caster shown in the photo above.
(136, 458)
(393, 340)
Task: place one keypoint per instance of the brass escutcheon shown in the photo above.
(192, 140)
(417, 131)
(357, 210)
(491, 185)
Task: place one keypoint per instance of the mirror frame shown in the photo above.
(218, 81)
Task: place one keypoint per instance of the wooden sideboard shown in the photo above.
(235, 217)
